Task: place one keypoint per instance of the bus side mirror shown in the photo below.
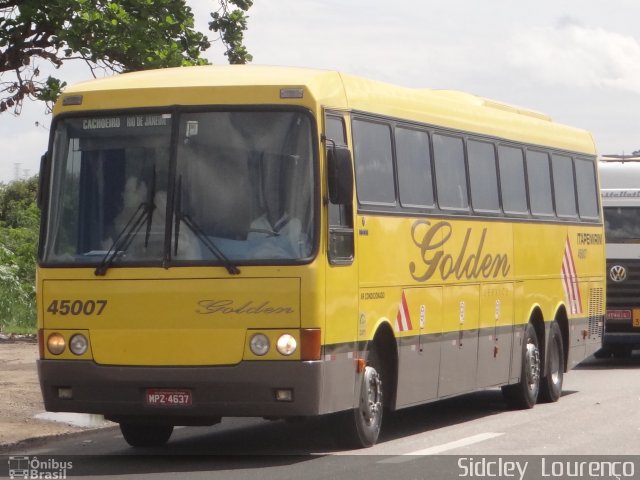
(340, 175)
(41, 179)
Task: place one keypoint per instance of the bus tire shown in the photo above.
(524, 394)
(551, 384)
(362, 424)
(141, 435)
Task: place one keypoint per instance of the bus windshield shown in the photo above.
(622, 224)
(219, 188)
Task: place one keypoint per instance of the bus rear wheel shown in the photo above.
(524, 394)
(551, 386)
(142, 435)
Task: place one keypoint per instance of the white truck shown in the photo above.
(620, 189)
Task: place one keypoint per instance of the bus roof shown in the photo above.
(255, 84)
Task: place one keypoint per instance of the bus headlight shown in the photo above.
(259, 344)
(286, 344)
(55, 344)
(78, 344)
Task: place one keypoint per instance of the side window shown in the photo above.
(563, 185)
(587, 188)
(512, 186)
(341, 243)
(539, 179)
(451, 177)
(374, 163)
(414, 168)
(483, 176)
(334, 130)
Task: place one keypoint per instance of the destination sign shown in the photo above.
(129, 121)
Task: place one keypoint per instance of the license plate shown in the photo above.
(168, 397)
(636, 317)
(619, 315)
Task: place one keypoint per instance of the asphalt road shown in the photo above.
(598, 415)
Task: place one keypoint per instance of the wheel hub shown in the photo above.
(371, 398)
(532, 366)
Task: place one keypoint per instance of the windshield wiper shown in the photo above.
(126, 236)
(144, 213)
(150, 202)
(195, 228)
(199, 233)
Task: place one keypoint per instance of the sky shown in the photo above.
(578, 61)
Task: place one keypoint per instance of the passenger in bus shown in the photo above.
(282, 238)
(135, 193)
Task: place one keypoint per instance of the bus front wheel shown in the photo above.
(141, 435)
(364, 422)
(524, 394)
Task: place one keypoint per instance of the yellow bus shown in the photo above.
(286, 243)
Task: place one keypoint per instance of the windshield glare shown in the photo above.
(622, 224)
(241, 189)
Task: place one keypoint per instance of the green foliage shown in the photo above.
(50, 90)
(231, 24)
(19, 224)
(110, 35)
(133, 34)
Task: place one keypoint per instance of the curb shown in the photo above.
(5, 448)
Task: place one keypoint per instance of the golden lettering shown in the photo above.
(463, 265)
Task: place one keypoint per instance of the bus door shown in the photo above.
(459, 344)
(495, 333)
(341, 327)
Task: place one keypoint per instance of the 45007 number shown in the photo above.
(77, 307)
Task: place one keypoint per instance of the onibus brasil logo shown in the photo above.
(34, 468)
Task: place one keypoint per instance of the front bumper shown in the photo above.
(626, 339)
(243, 390)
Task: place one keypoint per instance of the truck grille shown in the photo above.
(625, 294)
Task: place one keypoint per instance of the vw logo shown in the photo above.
(618, 273)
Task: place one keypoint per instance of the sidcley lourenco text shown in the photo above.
(532, 468)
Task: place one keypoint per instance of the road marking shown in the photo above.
(463, 442)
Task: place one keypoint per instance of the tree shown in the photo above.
(110, 35)
(231, 24)
(19, 223)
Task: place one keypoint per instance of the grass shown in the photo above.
(17, 314)
(18, 330)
